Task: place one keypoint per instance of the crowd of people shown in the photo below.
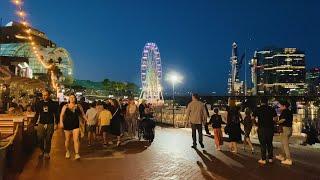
(110, 119)
(263, 116)
(106, 122)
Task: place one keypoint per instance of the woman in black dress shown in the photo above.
(233, 124)
(116, 120)
(69, 121)
(247, 124)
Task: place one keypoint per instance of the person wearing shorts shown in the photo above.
(104, 118)
(92, 115)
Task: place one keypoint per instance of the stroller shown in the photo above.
(146, 129)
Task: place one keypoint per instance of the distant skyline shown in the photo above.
(106, 38)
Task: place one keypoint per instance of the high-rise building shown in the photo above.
(313, 81)
(235, 86)
(279, 72)
(14, 44)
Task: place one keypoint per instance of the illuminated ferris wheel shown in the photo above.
(151, 74)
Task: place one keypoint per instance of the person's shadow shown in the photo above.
(214, 167)
(134, 147)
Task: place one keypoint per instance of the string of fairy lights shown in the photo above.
(35, 49)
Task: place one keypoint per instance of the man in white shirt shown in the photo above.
(92, 116)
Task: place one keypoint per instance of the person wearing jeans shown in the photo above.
(196, 114)
(48, 112)
(285, 120)
(44, 133)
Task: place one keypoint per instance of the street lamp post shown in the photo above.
(173, 102)
(174, 78)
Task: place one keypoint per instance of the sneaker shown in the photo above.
(270, 160)
(118, 143)
(41, 156)
(218, 149)
(67, 155)
(280, 158)
(46, 156)
(110, 142)
(262, 161)
(77, 157)
(287, 162)
(194, 146)
(201, 144)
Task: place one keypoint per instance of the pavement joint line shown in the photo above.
(102, 158)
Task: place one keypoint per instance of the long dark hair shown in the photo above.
(75, 97)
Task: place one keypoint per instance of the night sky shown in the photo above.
(105, 37)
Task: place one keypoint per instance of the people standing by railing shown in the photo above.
(196, 114)
(48, 112)
(70, 122)
(216, 122)
(285, 121)
(266, 117)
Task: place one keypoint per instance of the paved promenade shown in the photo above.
(168, 157)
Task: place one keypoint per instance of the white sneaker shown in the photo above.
(287, 162)
(270, 160)
(110, 142)
(67, 155)
(76, 157)
(262, 161)
(280, 158)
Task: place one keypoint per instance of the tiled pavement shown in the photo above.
(168, 157)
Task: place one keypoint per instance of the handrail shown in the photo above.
(11, 140)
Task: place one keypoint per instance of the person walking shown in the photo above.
(48, 112)
(267, 116)
(233, 126)
(247, 124)
(285, 121)
(104, 119)
(206, 126)
(92, 116)
(196, 115)
(216, 122)
(70, 122)
(115, 124)
(132, 114)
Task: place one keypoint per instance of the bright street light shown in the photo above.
(174, 78)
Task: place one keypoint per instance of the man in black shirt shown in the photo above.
(48, 112)
(266, 118)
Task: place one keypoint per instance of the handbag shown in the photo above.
(278, 128)
(227, 129)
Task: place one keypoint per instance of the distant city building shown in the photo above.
(235, 86)
(279, 72)
(14, 45)
(313, 81)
